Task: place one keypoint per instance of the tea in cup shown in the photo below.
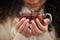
(33, 16)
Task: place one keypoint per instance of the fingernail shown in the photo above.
(46, 21)
(37, 19)
(24, 18)
(27, 19)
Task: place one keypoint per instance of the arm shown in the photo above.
(19, 31)
(41, 31)
(47, 36)
(17, 36)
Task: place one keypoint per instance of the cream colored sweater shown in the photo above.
(8, 32)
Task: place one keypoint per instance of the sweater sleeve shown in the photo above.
(17, 36)
(47, 36)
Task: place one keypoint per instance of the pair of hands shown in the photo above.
(27, 29)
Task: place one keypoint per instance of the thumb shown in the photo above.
(46, 21)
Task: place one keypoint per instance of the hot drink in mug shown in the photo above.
(34, 15)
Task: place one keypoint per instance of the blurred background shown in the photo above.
(5, 5)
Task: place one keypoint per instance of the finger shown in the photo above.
(35, 27)
(26, 28)
(29, 32)
(25, 32)
(46, 21)
(41, 27)
(32, 30)
(23, 25)
(20, 23)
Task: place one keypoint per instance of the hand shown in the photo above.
(22, 27)
(37, 28)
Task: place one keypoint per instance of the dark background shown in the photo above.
(6, 5)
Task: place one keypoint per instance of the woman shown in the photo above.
(16, 29)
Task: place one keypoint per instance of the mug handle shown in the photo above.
(50, 17)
